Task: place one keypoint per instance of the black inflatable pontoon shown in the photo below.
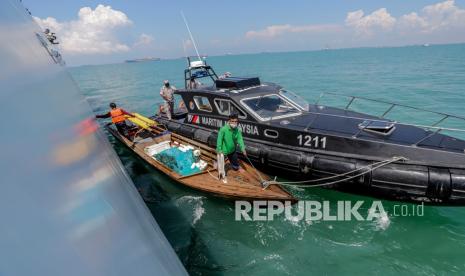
(294, 139)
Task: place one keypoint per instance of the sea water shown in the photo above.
(202, 228)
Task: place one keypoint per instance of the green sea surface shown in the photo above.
(202, 228)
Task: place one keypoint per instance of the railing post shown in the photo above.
(428, 136)
(352, 99)
(440, 121)
(319, 98)
(312, 121)
(388, 110)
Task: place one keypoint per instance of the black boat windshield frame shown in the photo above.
(270, 107)
(295, 99)
(227, 107)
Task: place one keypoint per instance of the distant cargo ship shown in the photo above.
(142, 59)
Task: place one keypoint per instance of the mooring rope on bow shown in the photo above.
(262, 181)
(364, 169)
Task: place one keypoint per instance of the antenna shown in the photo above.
(184, 47)
(190, 34)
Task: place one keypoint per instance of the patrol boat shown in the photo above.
(294, 139)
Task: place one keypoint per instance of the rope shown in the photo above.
(212, 174)
(370, 168)
(387, 161)
(259, 175)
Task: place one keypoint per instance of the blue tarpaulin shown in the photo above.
(178, 160)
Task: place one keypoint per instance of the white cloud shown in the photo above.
(441, 16)
(367, 24)
(49, 22)
(92, 33)
(277, 30)
(442, 22)
(144, 40)
(412, 21)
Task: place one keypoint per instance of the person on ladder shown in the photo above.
(229, 137)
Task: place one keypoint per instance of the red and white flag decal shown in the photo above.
(193, 119)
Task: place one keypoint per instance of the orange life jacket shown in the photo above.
(117, 115)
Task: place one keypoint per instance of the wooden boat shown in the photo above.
(245, 185)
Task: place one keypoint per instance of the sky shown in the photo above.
(96, 32)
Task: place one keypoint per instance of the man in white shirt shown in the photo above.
(166, 92)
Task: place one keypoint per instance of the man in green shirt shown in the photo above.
(229, 137)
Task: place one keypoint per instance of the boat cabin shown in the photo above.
(251, 99)
(269, 113)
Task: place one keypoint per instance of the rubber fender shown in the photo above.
(366, 178)
(186, 131)
(282, 157)
(254, 151)
(439, 183)
(173, 126)
(402, 176)
(306, 163)
(332, 166)
(211, 141)
(458, 180)
(202, 135)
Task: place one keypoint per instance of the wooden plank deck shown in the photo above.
(240, 185)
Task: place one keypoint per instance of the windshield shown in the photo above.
(295, 99)
(270, 107)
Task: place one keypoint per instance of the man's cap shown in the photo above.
(233, 115)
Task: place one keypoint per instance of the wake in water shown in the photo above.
(381, 221)
(197, 204)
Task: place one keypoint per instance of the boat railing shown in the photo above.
(390, 108)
